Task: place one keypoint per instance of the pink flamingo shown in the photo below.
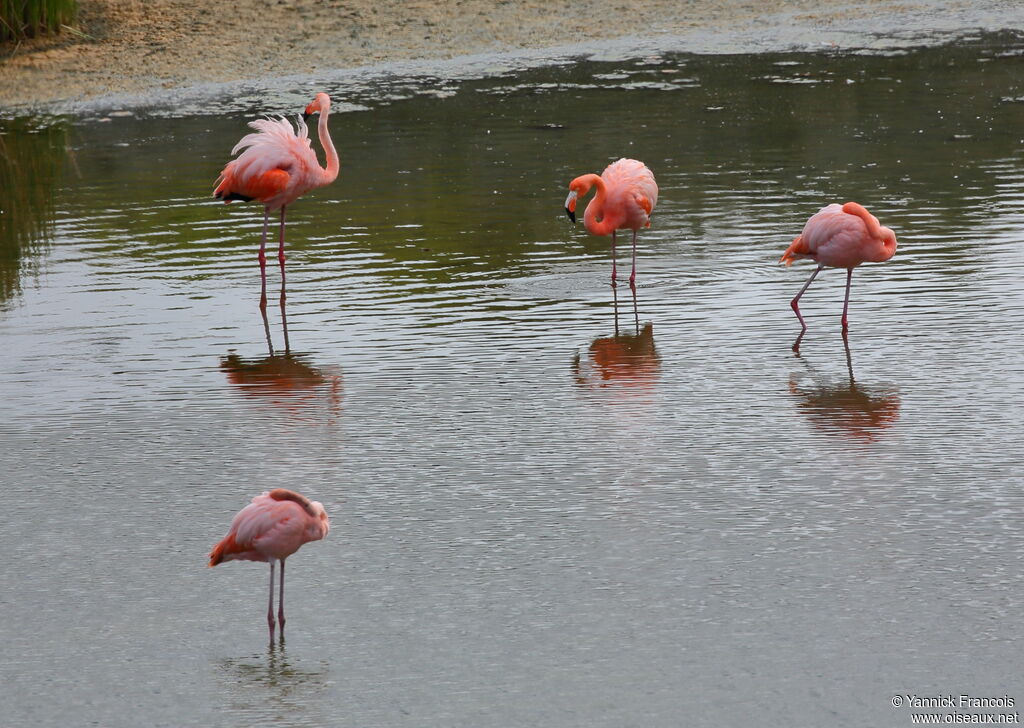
(626, 196)
(272, 528)
(276, 168)
(839, 237)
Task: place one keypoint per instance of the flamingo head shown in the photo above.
(577, 188)
(322, 525)
(321, 103)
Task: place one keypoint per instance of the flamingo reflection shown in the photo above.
(856, 412)
(286, 380)
(629, 359)
(273, 684)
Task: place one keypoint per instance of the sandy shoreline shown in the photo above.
(144, 46)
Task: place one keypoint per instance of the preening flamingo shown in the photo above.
(839, 236)
(276, 168)
(272, 528)
(626, 196)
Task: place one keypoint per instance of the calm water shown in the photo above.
(535, 521)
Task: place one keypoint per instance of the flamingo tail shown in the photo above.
(796, 250)
(224, 549)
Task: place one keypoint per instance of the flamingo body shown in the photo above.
(277, 165)
(625, 198)
(842, 236)
(839, 236)
(273, 526)
(270, 529)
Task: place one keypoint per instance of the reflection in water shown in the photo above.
(30, 165)
(629, 359)
(285, 380)
(272, 689)
(848, 409)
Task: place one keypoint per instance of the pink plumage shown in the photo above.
(839, 236)
(842, 236)
(274, 148)
(625, 198)
(276, 166)
(270, 529)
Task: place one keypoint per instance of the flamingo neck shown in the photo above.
(885, 236)
(333, 163)
(595, 210)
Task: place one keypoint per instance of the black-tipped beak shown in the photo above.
(571, 214)
(305, 116)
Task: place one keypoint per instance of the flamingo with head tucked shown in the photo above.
(276, 168)
(839, 236)
(625, 198)
(272, 528)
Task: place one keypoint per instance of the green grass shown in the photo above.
(20, 19)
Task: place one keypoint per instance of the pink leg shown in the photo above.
(263, 259)
(280, 603)
(846, 301)
(613, 257)
(280, 254)
(632, 275)
(796, 300)
(270, 604)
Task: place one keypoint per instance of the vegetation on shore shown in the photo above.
(21, 19)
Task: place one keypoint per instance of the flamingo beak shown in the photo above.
(306, 115)
(570, 206)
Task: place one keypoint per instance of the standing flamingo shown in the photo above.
(272, 528)
(839, 237)
(626, 196)
(276, 168)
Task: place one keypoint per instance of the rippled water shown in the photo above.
(552, 503)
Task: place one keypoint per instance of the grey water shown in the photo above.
(552, 502)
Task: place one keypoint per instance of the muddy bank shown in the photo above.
(136, 47)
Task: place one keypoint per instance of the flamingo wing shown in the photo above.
(275, 165)
(264, 529)
(827, 234)
(632, 190)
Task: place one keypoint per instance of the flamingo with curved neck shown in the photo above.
(839, 236)
(277, 166)
(625, 198)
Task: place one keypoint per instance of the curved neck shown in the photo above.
(870, 221)
(333, 163)
(880, 233)
(595, 209)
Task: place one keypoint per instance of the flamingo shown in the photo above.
(626, 196)
(272, 528)
(276, 168)
(839, 236)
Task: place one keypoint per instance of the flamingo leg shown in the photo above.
(632, 275)
(270, 604)
(263, 259)
(613, 257)
(846, 301)
(280, 603)
(280, 257)
(796, 299)
(284, 326)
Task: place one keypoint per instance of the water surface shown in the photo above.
(552, 503)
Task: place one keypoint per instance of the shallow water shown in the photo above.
(552, 503)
